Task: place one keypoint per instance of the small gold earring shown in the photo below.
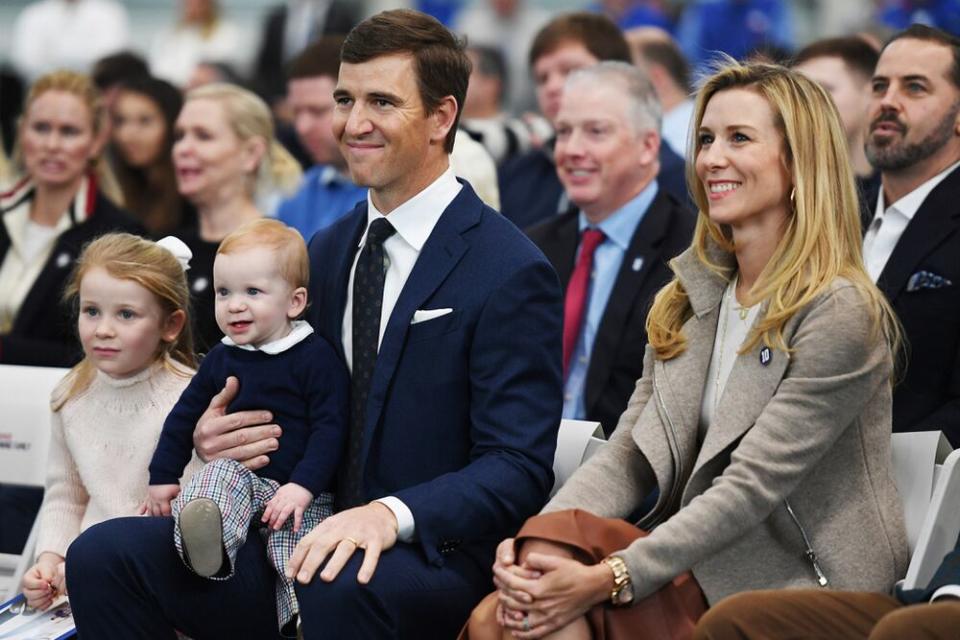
(793, 197)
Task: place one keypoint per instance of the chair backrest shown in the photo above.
(917, 457)
(577, 440)
(24, 441)
(941, 526)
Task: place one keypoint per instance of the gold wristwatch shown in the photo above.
(622, 592)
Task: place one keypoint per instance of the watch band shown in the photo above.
(622, 592)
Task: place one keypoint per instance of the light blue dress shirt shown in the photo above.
(323, 198)
(608, 257)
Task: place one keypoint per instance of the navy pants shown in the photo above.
(126, 581)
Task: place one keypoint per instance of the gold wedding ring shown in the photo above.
(354, 541)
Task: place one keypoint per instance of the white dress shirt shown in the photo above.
(889, 223)
(414, 221)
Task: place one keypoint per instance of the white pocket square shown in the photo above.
(422, 315)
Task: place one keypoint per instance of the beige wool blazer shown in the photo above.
(792, 485)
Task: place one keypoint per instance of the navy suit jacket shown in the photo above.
(463, 410)
(928, 395)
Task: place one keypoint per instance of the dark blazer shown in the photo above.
(463, 410)
(617, 359)
(928, 395)
(530, 190)
(269, 74)
(44, 331)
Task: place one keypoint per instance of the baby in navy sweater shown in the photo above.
(260, 278)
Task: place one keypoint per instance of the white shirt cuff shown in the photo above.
(405, 524)
(946, 591)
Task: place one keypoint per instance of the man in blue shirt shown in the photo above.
(327, 192)
(611, 254)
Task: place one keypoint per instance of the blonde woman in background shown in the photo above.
(226, 157)
(59, 201)
(764, 411)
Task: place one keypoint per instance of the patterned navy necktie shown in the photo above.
(368, 282)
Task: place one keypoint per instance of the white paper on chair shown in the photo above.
(19, 622)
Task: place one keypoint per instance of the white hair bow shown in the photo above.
(179, 250)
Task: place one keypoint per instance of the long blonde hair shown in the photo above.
(249, 117)
(129, 257)
(822, 238)
(81, 86)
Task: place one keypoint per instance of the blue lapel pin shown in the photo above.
(765, 356)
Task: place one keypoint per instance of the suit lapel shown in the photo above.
(679, 384)
(339, 281)
(560, 246)
(440, 254)
(627, 287)
(934, 223)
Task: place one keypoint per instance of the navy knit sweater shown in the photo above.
(306, 389)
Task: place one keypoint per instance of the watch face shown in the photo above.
(625, 595)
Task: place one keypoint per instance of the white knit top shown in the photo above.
(100, 446)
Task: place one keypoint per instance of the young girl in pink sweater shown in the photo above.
(132, 299)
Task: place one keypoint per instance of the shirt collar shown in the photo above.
(301, 329)
(909, 204)
(620, 226)
(415, 219)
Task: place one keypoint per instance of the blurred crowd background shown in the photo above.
(232, 38)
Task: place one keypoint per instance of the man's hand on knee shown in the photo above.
(372, 528)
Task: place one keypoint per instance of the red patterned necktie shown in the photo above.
(575, 300)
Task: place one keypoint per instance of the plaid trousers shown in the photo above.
(241, 496)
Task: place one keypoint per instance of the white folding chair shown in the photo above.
(577, 440)
(917, 460)
(941, 526)
(24, 441)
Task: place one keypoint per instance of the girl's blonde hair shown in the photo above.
(250, 117)
(129, 257)
(821, 240)
(81, 86)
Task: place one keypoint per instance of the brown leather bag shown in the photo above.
(669, 614)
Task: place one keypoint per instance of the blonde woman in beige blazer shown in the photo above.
(773, 467)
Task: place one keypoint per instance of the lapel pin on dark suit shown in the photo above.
(637, 263)
(765, 356)
(927, 280)
(63, 260)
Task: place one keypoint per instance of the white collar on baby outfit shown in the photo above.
(301, 329)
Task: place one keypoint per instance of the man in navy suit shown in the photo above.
(450, 320)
